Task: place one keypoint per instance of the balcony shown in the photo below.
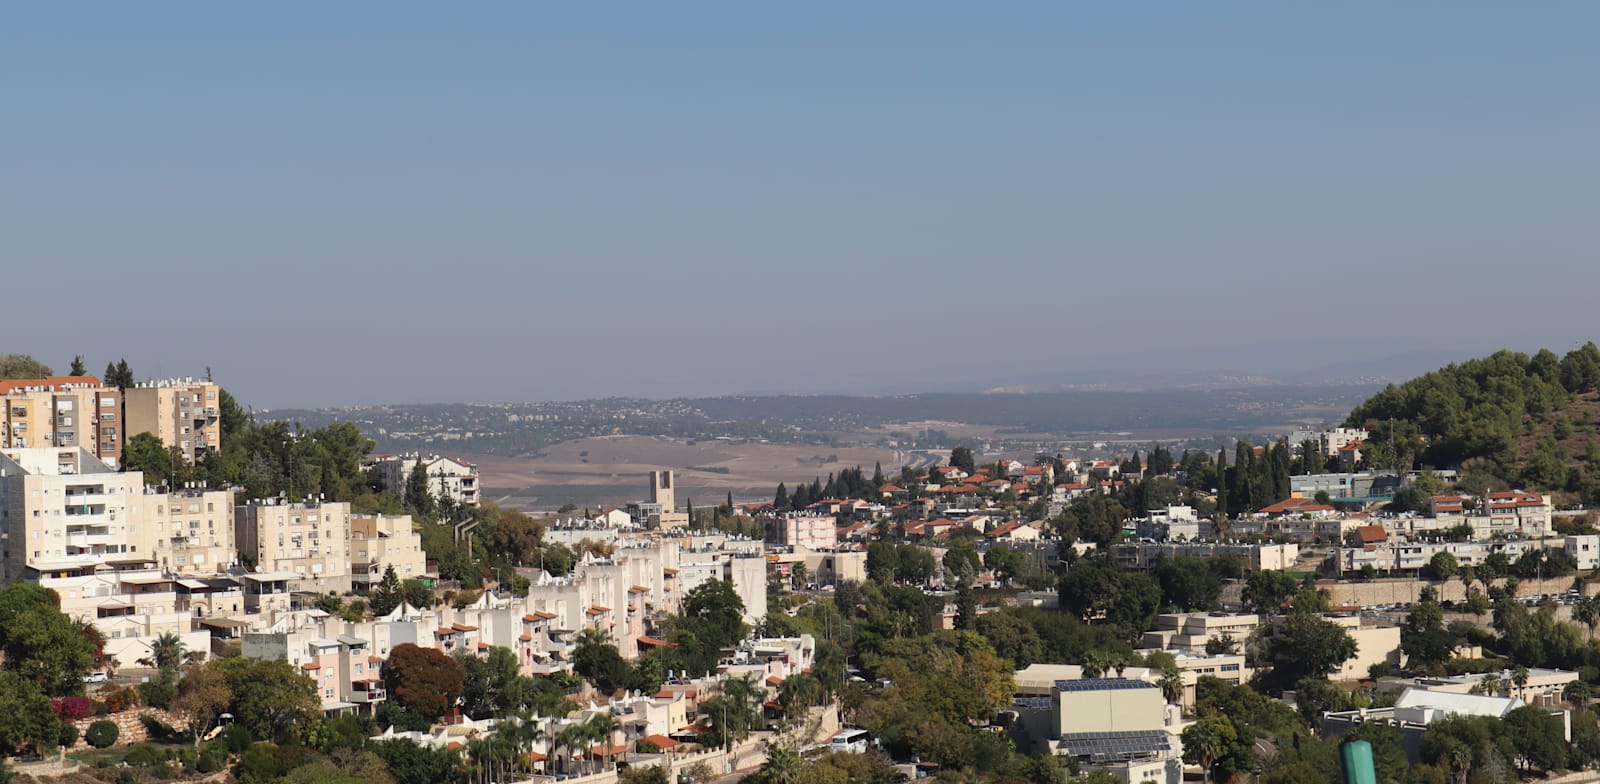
(367, 692)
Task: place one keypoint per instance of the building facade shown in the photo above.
(183, 413)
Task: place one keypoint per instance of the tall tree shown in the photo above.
(22, 366)
(77, 367)
(423, 680)
(419, 495)
(203, 696)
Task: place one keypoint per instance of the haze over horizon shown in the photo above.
(397, 202)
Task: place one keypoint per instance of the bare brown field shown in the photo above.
(614, 469)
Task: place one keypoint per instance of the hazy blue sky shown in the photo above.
(334, 203)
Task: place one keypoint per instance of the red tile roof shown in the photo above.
(53, 382)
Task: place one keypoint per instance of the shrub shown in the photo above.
(69, 735)
(237, 738)
(102, 733)
(121, 698)
(144, 755)
(211, 760)
(71, 708)
(159, 731)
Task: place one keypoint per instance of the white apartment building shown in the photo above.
(802, 529)
(381, 541)
(309, 540)
(130, 608)
(1260, 557)
(450, 477)
(63, 510)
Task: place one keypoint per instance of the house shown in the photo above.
(1297, 506)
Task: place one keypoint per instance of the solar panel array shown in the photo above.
(1102, 684)
(1032, 702)
(1108, 746)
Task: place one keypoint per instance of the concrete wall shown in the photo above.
(1408, 590)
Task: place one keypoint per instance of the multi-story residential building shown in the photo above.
(1411, 556)
(63, 510)
(343, 666)
(310, 540)
(131, 607)
(62, 411)
(381, 541)
(1376, 643)
(1189, 632)
(448, 477)
(1260, 557)
(181, 412)
(800, 529)
(1528, 512)
(1351, 487)
(193, 530)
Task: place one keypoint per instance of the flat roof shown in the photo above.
(265, 577)
(1102, 684)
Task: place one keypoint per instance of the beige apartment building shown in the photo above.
(181, 412)
(62, 411)
(309, 540)
(381, 541)
(193, 530)
(64, 510)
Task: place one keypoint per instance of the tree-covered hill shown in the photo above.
(1505, 419)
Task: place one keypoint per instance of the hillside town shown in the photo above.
(1153, 618)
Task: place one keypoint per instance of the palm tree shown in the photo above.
(783, 766)
(1172, 686)
(166, 653)
(1095, 664)
(1587, 612)
(571, 738)
(1577, 694)
(1461, 761)
(593, 637)
(601, 726)
(1519, 676)
(1489, 684)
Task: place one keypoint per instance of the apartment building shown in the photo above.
(1376, 643)
(63, 411)
(193, 530)
(1260, 557)
(802, 529)
(182, 412)
(346, 672)
(309, 540)
(131, 607)
(381, 541)
(1189, 632)
(448, 477)
(63, 510)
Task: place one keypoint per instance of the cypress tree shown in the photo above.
(1222, 483)
(780, 502)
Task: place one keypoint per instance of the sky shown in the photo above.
(350, 203)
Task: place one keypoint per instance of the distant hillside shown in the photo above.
(1505, 419)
